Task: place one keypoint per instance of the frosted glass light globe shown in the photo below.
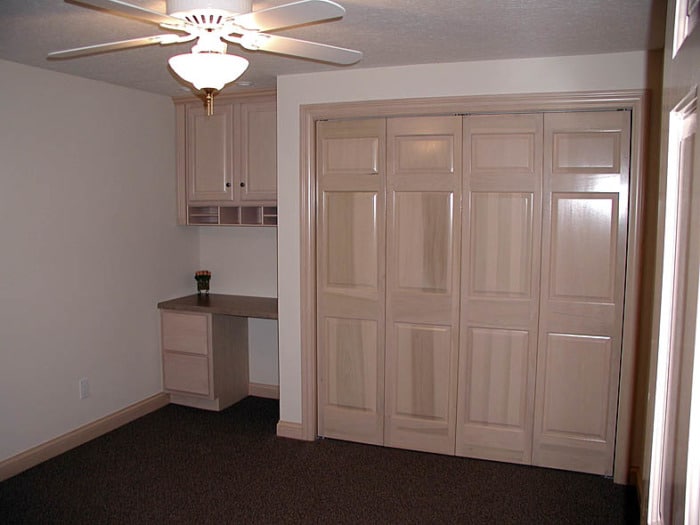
(208, 70)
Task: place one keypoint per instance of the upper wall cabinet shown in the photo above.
(227, 162)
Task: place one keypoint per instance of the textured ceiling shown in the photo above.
(388, 32)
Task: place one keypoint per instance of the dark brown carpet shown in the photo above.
(180, 465)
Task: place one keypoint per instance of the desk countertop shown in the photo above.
(238, 305)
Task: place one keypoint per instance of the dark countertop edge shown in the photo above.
(237, 305)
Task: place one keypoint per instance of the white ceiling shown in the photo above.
(388, 32)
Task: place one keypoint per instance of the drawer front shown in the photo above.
(185, 332)
(186, 373)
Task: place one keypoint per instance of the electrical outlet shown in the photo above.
(84, 387)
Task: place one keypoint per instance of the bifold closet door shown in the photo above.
(470, 284)
(350, 281)
(585, 198)
(502, 213)
(422, 325)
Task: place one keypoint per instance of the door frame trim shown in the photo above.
(633, 100)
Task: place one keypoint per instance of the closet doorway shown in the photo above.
(424, 189)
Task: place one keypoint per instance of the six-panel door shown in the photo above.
(582, 289)
(350, 287)
(500, 283)
(422, 306)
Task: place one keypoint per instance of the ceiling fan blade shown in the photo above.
(287, 15)
(132, 10)
(302, 48)
(122, 44)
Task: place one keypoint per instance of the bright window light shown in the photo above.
(666, 319)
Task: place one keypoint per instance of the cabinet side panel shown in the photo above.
(230, 358)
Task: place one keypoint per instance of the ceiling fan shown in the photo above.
(215, 23)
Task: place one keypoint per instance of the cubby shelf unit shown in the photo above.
(232, 215)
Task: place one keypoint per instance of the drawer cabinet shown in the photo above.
(205, 358)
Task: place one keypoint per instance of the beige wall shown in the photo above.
(243, 261)
(88, 246)
(541, 75)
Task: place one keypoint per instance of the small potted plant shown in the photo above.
(202, 277)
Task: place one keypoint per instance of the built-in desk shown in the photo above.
(239, 305)
(204, 342)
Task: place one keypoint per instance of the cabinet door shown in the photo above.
(257, 178)
(209, 150)
(500, 286)
(582, 289)
(424, 165)
(350, 286)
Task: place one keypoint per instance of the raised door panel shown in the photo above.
(501, 256)
(209, 154)
(499, 288)
(582, 292)
(421, 401)
(494, 395)
(350, 240)
(423, 226)
(258, 156)
(576, 372)
(350, 280)
(423, 195)
(350, 379)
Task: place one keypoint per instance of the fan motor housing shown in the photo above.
(183, 8)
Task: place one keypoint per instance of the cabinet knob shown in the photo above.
(242, 184)
(228, 184)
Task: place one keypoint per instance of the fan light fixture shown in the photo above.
(208, 72)
(213, 25)
(208, 67)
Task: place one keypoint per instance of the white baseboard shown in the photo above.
(54, 447)
(266, 391)
(286, 429)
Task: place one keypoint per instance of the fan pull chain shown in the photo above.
(209, 93)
